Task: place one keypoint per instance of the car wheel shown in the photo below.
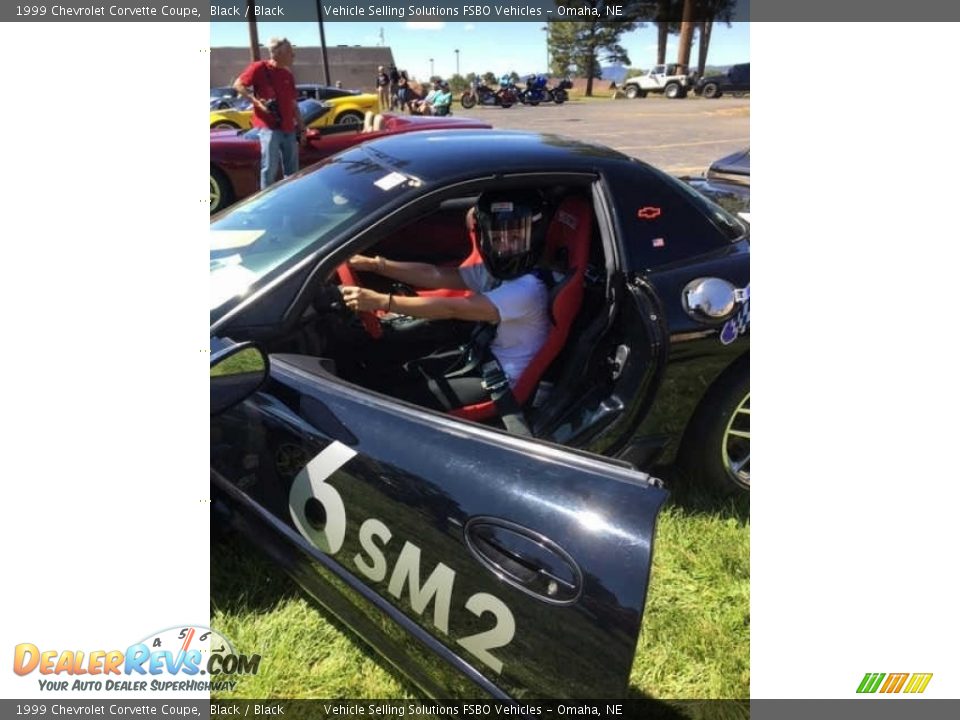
(672, 91)
(221, 194)
(349, 117)
(717, 446)
(224, 125)
(710, 90)
(632, 92)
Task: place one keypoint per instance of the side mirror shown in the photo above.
(235, 374)
(711, 300)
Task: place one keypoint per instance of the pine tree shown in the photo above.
(580, 46)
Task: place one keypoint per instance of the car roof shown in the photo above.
(436, 154)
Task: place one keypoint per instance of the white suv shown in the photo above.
(671, 79)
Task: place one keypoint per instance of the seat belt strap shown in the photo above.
(495, 382)
(476, 350)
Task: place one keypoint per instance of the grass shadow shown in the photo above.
(689, 495)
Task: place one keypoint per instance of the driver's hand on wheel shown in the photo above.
(363, 300)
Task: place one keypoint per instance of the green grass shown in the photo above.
(694, 644)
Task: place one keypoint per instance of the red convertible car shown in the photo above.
(235, 154)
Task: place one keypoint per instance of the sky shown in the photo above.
(488, 46)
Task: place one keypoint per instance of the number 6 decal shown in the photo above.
(310, 485)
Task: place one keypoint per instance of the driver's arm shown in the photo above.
(476, 308)
(420, 275)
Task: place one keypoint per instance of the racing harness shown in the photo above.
(494, 381)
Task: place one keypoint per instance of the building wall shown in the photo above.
(355, 67)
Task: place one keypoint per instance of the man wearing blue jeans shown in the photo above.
(270, 86)
(276, 148)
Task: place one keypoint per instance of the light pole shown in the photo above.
(431, 68)
(546, 29)
(457, 53)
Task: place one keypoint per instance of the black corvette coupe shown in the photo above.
(476, 560)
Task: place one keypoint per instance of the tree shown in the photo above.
(702, 15)
(709, 12)
(489, 78)
(667, 17)
(686, 33)
(581, 46)
(458, 83)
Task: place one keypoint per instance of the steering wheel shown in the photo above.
(369, 320)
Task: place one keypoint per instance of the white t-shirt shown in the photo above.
(524, 322)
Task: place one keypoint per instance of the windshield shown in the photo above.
(259, 239)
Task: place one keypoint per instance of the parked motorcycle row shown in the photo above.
(509, 94)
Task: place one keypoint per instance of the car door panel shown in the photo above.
(521, 566)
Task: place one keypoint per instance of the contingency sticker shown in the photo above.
(390, 181)
(740, 323)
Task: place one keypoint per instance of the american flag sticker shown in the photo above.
(658, 242)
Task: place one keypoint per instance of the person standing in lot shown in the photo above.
(383, 89)
(270, 86)
(394, 76)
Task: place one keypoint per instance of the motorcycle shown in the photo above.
(559, 93)
(504, 97)
(536, 91)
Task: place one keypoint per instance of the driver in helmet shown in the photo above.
(508, 294)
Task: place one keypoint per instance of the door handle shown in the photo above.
(525, 559)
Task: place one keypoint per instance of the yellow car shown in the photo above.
(349, 106)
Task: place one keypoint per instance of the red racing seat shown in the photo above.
(472, 259)
(566, 254)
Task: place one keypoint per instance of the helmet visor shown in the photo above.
(508, 229)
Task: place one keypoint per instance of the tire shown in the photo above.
(504, 102)
(468, 100)
(348, 117)
(632, 92)
(224, 125)
(221, 194)
(716, 447)
(559, 96)
(710, 90)
(672, 91)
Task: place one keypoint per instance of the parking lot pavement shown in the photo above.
(681, 137)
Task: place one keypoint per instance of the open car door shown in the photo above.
(478, 563)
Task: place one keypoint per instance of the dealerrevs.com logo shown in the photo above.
(910, 683)
(182, 659)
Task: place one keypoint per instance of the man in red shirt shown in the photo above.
(275, 110)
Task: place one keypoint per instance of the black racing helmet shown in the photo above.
(512, 227)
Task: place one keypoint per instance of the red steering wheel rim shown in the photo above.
(368, 319)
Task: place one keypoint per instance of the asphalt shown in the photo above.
(681, 137)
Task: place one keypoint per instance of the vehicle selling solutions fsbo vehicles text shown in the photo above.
(402, 11)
